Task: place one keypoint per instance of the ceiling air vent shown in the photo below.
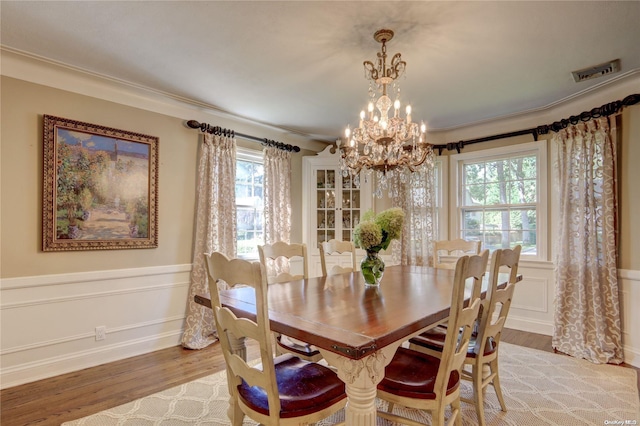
(596, 71)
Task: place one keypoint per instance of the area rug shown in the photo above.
(540, 388)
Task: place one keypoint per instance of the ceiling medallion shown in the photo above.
(389, 145)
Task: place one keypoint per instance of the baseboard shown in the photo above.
(46, 368)
(632, 356)
(530, 325)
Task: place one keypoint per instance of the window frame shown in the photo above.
(254, 156)
(539, 149)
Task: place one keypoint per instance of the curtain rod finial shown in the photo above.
(193, 124)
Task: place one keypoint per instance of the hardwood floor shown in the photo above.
(72, 396)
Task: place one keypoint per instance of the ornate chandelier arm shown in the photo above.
(397, 67)
(411, 164)
(371, 70)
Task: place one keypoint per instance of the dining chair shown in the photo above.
(417, 380)
(282, 391)
(276, 260)
(482, 354)
(445, 250)
(332, 247)
(458, 248)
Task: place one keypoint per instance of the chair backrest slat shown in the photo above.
(497, 300)
(333, 246)
(453, 248)
(276, 258)
(476, 269)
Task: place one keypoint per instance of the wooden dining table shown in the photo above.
(356, 327)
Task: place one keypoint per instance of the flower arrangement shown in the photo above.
(375, 232)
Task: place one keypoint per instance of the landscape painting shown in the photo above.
(99, 187)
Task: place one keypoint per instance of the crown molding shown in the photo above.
(40, 70)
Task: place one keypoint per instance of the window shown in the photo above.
(249, 202)
(501, 197)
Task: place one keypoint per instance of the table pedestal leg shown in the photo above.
(361, 377)
(237, 346)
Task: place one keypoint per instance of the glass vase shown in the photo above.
(372, 268)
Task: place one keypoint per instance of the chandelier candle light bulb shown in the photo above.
(386, 145)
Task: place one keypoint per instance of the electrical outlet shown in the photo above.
(101, 332)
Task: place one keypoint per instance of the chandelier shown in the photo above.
(384, 141)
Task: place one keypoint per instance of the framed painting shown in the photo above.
(100, 187)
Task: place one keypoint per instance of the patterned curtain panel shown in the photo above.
(215, 230)
(277, 195)
(587, 309)
(416, 195)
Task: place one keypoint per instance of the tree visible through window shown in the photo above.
(249, 204)
(499, 200)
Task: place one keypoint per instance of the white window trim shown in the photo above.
(455, 176)
(249, 154)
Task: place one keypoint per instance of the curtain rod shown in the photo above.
(217, 130)
(603, 111)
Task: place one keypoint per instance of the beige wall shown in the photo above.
(23, 105)
(629, 189)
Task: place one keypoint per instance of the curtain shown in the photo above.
(587, 309)
(277, 195)
(416, 195)
(215, 230)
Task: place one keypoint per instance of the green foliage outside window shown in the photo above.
(249, 207)
(499, 202)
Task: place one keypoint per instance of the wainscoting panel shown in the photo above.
(629, 282)
(532, 306)
(49, 322)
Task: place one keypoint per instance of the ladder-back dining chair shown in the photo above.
(482, 354)
(337, 247)
(282, 391)
(417, 380)
(276, 259)
(446, 251)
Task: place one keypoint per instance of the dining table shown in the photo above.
(356, 327)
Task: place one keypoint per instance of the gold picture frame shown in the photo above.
(100, 187)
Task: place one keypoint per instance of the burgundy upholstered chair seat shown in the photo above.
(413, 374)
(304, 387)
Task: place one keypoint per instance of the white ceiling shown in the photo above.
(298, 65)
